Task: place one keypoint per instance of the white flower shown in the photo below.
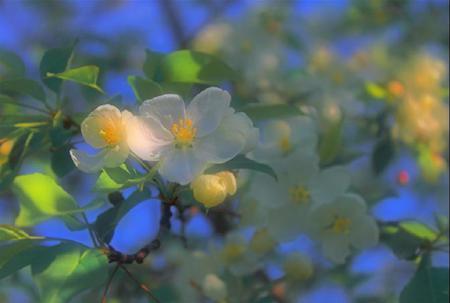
(301, 187)
(280, 137)
(208, 131)
(341, 225)
(104, 128)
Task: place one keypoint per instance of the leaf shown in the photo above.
(112, 179)
(375, 90)
(144, 89)
(107, 221)
(383, 154)
(266, 112)
(419, 230)
(187, 66)
(55, 61)
(152, 64)
(429, 285)
(22, 256)
(9, 232)
(330, 143)
(67, 270)
(7, 252)
(11, 64)
(84, 75)
(61, 161)
(41, 198)
(242, 162)
(25, 87)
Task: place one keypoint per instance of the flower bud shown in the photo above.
(214, 288)
(211, 190)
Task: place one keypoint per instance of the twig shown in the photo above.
(111, 277)
(142, 286)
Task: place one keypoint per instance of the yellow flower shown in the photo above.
(211, 190)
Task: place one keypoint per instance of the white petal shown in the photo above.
(252, 140)
(181, 165)
(301, 166)
(364, 232)
(329, 184)
(304, 133)
(116, 155)
(168, 109)
(147, 138)
(287, 222)
(336, 247)
(208, 108)
(351, 206)
(227, 141)
(268, 192)
(88, 163)
(103, 116)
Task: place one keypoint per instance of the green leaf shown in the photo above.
(41, 198)
(61, 161)
(187, 66)
(375, 90)
(429, 285)
(21, 256)
(266, 112)
(9, 232)
(182, 89)
(25, 87)
(11, 65)
(330, 143)
(419, 230)
(55, 61)
(152, 64)
(144, 89)
(383, 154)
(242, 162)
(67, 270)
(7, 252)
(112, 179)
(84, 75)
(107, 221)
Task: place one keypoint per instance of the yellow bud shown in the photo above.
(5, 148)
(298, 267)
(211, 190)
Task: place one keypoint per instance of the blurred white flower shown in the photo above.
(208, 131)
(104, 128)
(214, 288)
(342, 225)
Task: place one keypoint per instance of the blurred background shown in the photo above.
(381, 64)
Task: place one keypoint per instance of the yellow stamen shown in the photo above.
(111, 133)
(285, 144)
(299, 194)
(341, 225)
(184, 131)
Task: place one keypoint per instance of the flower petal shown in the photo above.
(364, 232)
(116, 155)
(336, 247)
(181, 165)
(208, 108)
(167, 109)
(88, 163)
(147, 138)
(227, 141)
(304, 134)
(330, 183)
(105, 116)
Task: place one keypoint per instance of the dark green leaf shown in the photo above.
(152, 64)
(107, 221)
(11, 65)
(187, 66)
(330, 143)
(267, 112)
(144, 89)
(23, 255)
(61, 161)
(55, 61)
(429, 285)
(242, 162)
(67, 270)
(84, 75)
(25, 87)
(383, 154)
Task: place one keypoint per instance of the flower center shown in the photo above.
(285, 144)
(299, 194)
(341, 225)
(111, 134)
(184, 131)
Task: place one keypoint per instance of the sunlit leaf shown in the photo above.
(266, 112)
(55, 61)
(419, 230)
(9, 232)
(144, 89)
(24, 87)
(84, 75)
(41, 198)
(67, 270)
(187, 66)
(242, 162)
